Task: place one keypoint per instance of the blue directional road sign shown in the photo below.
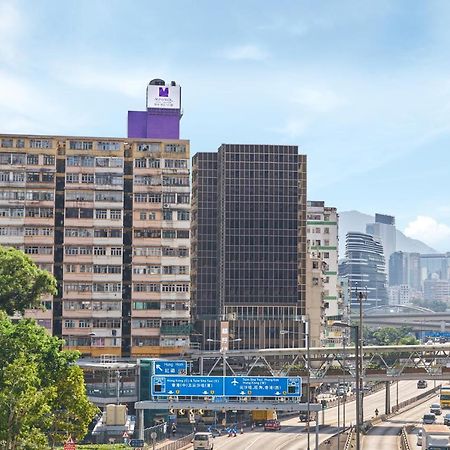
(196, 386)
(137, 443)
(263, 386)
(166, 367)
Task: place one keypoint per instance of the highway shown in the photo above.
(385, 434)
(293, 435)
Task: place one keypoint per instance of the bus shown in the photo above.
(444, 397)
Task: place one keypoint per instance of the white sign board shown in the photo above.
(167, 97)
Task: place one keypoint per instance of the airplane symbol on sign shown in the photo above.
(235, 382)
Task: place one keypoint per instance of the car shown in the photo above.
(272, 425)
(435, 408)
(216, 432)
(419, 437)
(422, 384)
(341, 391)
(429, 419)
(203, 441)
(447, 419)
(304, 416)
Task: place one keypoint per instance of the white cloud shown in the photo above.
(246, 53)
(317, 100)
(11, 28)
(293, 127)
(430, 231)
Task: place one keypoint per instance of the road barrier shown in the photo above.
(350, 438)
(415, 399)
(404, 442)
(179, 443)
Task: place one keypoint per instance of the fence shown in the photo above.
(179, 443)
(160, 430)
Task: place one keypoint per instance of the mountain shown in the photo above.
(356, 221)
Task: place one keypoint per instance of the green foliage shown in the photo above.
(434, 305)
(389, 336)
(101, 447)
(41, 387)
(22, 283)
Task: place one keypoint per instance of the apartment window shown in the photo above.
(17, 177)
(33, 160)
(183, 198)
(108, 145)
(142, 216)
(175, 181)
(100, 251)
(148, 147)
(108, 196)
(20, 143)
(146, 305)
(49, 160)
(167, 214)
(183, 215)
(40, 143)
(87, 178)
(183, 234)
(71, 268)
(116, 251)
(80, 145)
(33, 177)
(153, 163)
(176, 164)
(48, 177)
(69, 323)
(115, 214)
(101, 213)
(140, 163)
(175, 148)
(72, 178)
(7, 143)
(169, 234)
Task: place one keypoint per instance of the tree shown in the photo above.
(48, 392)
(22, 283)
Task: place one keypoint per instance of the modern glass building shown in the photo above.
(249, 245)
(364, 268)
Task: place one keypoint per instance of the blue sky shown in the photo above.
(362, 87)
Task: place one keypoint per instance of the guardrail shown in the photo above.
(415, 399)
(179, 443)
(404, 443)
(350, 436)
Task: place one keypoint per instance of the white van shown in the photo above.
(203, 441)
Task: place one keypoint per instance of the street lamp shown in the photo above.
(357, 376)
(224, 353)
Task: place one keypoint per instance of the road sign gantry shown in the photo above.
(238, 386)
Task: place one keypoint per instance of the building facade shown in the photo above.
(364, 267)
(249, 245)
(322, 239)
(384, 229)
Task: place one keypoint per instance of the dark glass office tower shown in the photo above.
(249, 245)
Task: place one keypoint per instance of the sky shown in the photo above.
(362, 86)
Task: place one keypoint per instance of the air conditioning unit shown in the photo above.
(166, 205)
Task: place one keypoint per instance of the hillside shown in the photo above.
(356, 221)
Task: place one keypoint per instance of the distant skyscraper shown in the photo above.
(404, 269)
(249, 245)
(436, 265)
(384, 229)
(365, 268)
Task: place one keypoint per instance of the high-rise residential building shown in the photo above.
(110, 218)
(364, 267)
(249, 245)
(400, 294)
(315, 305)
(384, 229)
(322, 238)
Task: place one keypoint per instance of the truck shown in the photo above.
(444, 397)
(435, 437)
(260, 416)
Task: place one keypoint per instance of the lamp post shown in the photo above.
(358, 379)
